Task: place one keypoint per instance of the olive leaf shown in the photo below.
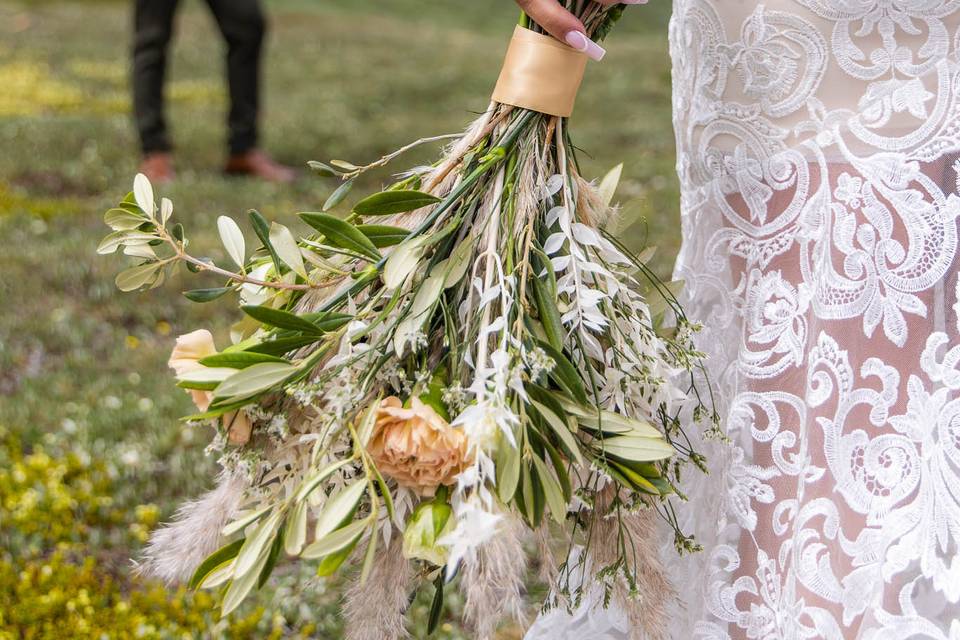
(388, 203)
(382, 235)
(608, 185)
(143, 193)
(136, 277)
(254, 379)
(287, 248)
(338, 195)
(341, 234)
(232, 239)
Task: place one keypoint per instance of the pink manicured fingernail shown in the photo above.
(582, 43)
(633, 1)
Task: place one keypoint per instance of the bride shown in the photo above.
(817, 145)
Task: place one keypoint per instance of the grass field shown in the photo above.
(91, 452)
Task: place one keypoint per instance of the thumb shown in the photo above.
(562, 25)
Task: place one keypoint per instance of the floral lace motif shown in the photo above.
(817, 152)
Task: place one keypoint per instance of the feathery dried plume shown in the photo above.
(492, 581)
(548, 572)
(647, 612)
(177, 549)
(593, 210)
(375, 610)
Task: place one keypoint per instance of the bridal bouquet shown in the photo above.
(466, 357)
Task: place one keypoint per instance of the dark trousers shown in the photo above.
(242, 24)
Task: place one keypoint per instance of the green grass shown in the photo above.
(82, 366)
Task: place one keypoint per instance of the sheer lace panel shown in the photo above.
(817, 152)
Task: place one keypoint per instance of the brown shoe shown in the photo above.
(158, 167)
(258, 164)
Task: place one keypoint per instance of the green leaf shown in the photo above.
(419, 313)
(384, 492)
(533, 498)
(271, 560)
(281, 319)
(199, 385)
(220, 574)
(323, 170)
(281, 346)
(328, 321)
(239, 359)
(565, 373)
(561, 430)
(217, 558)
(404, 259)
(287, 248)
(129, 203)
(206, 295)
(382, 235)
(122, 219)
(216, 410)
(339, 508)
(368, 558)
(560, 468)
(242, 586)
(262, 229)
(436, 607)
(457, 264)
(329, 565)
(551, 490)
(204, 376)
(635, 480)
(314, 481)
(341, 234)
(343, 164)
(388, 203)
(508, 471)
(339, 539)
(615, 423)
(608, 185)
(338, 195)
(526, 495)
(114, 240)
(232, 239)
(549, 314)
(144, 251)
(166, 210)
(637, 449)
(295, 535)
(143, 194)
(256, 543)
(366, 424)
(135, 277)
(254, 379)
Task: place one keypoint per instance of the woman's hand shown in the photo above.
(564, 26)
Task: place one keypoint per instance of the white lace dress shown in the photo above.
(818, 145)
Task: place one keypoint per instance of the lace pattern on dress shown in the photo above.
(817, 153)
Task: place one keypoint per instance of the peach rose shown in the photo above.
(187, 353)
(416, 447)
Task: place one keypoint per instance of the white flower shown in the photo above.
(475, 526)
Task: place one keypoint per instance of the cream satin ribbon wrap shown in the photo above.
(541, 74)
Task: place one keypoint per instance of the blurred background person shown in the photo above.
(243, 26)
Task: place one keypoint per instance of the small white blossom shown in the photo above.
(455, 397)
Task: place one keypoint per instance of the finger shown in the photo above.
(562, 25)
